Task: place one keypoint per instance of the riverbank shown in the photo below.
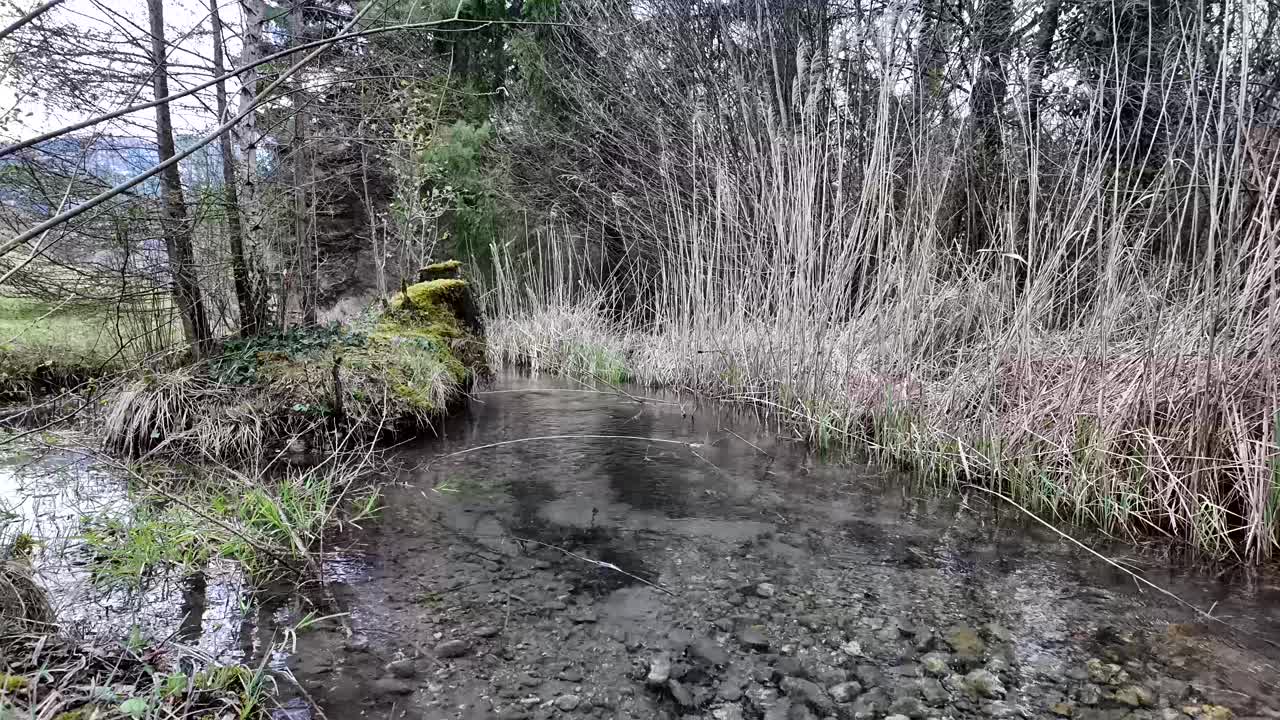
(1172, 449)
(610, 552)
(232, 479)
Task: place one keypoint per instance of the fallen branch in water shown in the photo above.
(598, 563)
(638, 398)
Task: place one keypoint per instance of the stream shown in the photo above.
(665, 559)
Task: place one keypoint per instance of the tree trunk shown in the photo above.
(1038, 59)
(253, 16)
(990, 86)
(303, 240)
(177, 231)
(230, 196)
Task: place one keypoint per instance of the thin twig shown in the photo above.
(599, 563)
(1136, 577)
(557, 437)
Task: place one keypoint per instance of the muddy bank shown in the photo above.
(731, 574)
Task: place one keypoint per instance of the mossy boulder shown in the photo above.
(387, 375)
(447, 270)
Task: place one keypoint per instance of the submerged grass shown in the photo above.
(50, 677)
(270, 523)
(180, 525)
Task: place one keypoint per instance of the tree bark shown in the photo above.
(176, 229)
(990, 87)
(1038, 59)
(253, 16)
(230, 196)
(304, 244)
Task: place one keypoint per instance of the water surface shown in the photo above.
(534, 578)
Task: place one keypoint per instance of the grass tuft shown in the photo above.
(389, 374)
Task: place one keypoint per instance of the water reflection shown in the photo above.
(51, 494)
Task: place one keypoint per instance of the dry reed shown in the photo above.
(1106, 357)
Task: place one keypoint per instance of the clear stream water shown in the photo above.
(700, 566)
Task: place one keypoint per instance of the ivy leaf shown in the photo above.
(134, 707)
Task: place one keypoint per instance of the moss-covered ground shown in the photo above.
(387, 374)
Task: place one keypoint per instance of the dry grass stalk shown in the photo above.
(1107, 358)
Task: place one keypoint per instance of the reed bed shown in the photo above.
(1102, 348)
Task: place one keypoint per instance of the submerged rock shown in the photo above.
(1105, 673)
(933, 692)
(709, 651)
(680, 693)
(1209, 712)
(910, 706)
(393, 686)
(1000, 709)
(968, 647)
(852, 648)
(1134, 696)
(872, 703)
(789, 667)
(935, 664)
(659, 670)
(452, 648)
(727, 712)
(729, 690)
(403, 668)
(568, 703)
(845, 691)
(984, 683)
(807, 692)
(753, 639)
(869, 675)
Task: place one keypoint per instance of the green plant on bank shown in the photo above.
(237, 691)
(597, 362)
(391, 372)
(130, 551)
(239, 361)
(269, 527)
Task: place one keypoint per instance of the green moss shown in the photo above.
(440, 270)
(430, 301)
(13, 683)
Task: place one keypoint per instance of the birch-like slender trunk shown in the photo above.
(304, 243)
(230, 193)
(246, 137)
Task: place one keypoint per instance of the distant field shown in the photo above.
(33, 327)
